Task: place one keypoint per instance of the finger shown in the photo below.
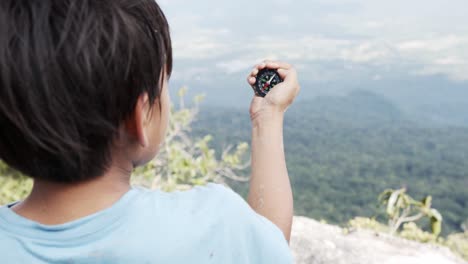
(250, 76)
(251, 80)
(284, 65)
(271, 64)
(277, 65)
(254, 72)
(261, 66)
(287, 74)
(283, 73)
(258, 68)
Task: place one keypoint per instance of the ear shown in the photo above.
(136, 124)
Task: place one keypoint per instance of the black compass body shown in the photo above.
(266, 80)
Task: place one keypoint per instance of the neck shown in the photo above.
(53, 203)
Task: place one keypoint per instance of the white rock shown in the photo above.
(316, 243)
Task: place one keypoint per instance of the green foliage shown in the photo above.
(13, 185)
(368, 223)
(411, 231)
(184, 162)
(343, 151)
(402, 208)
(458, 243)
(7, 171)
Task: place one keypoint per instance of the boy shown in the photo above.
(83, 101)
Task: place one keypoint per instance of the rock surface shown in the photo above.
(315, 243)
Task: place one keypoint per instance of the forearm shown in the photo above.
(270, 190)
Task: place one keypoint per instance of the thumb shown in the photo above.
(283, 73)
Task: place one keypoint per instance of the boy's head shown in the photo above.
(75, 77)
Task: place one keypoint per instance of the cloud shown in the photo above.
(236, 65)
(201, 43)
(359, 33)
(192, 73)
(435, 44)
(447, 55)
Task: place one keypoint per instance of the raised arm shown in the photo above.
(270, 191)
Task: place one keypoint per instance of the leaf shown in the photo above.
(436, 226)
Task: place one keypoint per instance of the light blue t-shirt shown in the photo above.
(210, 224)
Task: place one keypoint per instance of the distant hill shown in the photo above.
(430, 100)
(443, 114)
(343, 151)
(360, 108)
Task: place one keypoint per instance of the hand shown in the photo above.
(281, 96)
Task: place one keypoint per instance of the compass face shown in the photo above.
(266, 80)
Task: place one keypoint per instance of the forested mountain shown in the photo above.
(343, 151)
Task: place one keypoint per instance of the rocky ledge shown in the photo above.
(313, 242)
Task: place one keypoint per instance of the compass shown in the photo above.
(266, 80)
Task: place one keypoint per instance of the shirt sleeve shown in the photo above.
(255, 238)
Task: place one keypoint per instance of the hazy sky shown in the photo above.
(326, 39)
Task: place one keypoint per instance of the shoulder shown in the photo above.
(218, 213)
(199, 202)
(257, 238)
(232, 207)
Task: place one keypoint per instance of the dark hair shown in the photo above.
(71, 72)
